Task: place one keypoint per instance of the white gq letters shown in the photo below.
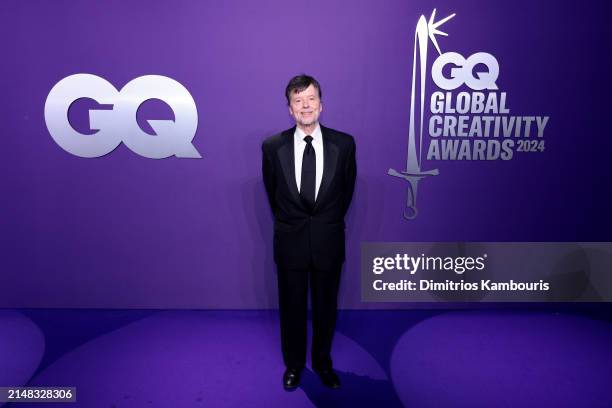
(119, 124)
(463, 71)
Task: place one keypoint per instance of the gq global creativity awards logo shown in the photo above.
(469, 117)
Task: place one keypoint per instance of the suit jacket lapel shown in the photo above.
(287, 160)
(330, 158)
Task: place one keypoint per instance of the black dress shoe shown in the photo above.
(291, 378)
(329, 378)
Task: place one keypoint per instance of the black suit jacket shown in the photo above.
(302, 234)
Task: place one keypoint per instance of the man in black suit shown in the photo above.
(309, 173)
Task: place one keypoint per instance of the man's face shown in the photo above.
(305, 106)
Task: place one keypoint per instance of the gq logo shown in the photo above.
(463, 71)
(119, 124)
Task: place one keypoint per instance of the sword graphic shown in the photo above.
(413, 173)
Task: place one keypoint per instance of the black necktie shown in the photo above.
(309, 165)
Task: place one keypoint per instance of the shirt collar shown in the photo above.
(317, 136)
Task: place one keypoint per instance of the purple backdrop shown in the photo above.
(125, 231)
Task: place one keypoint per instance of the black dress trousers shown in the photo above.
(293, 304)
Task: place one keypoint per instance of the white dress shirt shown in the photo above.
(298, 150)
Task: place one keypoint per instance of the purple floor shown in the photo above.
(420, 358)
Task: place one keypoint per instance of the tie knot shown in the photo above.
(308, 139)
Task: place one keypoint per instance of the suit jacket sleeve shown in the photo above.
(267, 169)
(350, 173)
